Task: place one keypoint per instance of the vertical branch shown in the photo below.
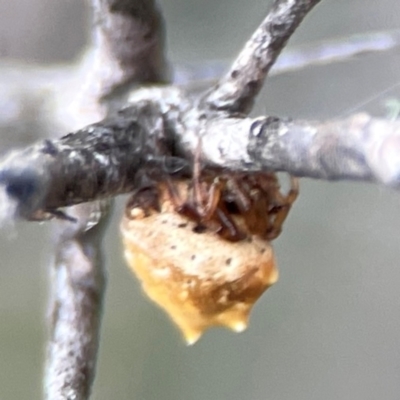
(129, 40)
(78, 287)
(127, 48)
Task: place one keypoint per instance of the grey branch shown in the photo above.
(127, 49)
(29, 91)
(110, 157)
(129, 44)
(237, 90)
(96, 162)
(78, 286)
(292, 59)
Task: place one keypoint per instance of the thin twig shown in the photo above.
(29, 91)
(337, 49)
(237, 90)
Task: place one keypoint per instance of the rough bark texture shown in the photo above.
(127, 49)
(111, 157)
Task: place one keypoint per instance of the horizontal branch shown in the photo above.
(28, 91)
(327, 51)
(159, 133)
(360, 148)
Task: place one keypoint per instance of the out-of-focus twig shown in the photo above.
(340, 49)
(30, 91)
(129, 42)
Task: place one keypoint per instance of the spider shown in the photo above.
(214, 278)
(234, 205)
(255, 198)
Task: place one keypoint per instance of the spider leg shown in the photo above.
(229, 230)
(193, 206)
(197, 187)
(281, 210)
(252, 196)
(294, 190)
(174, 195)
(146, 196)
(242, 198)
(204, 201)
(59, 214)
(213, 200)
(183, 207)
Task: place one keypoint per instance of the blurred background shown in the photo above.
(329, 329)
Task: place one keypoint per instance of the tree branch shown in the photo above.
(78, 285)
(127, 49)
(107, 158)
(129, 42)
(292, 59)
(29, 91)
(360, 148)
(237, 90)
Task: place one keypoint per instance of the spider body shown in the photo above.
(255, 198)
(201, 247)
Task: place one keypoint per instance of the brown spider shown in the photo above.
(255, 197)
(204, 280)
(217, 200)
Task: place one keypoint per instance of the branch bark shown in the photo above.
(29, 91)
(108, 158)
(78, 285)
(292, 59)
(127, 49)
(237, 90)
